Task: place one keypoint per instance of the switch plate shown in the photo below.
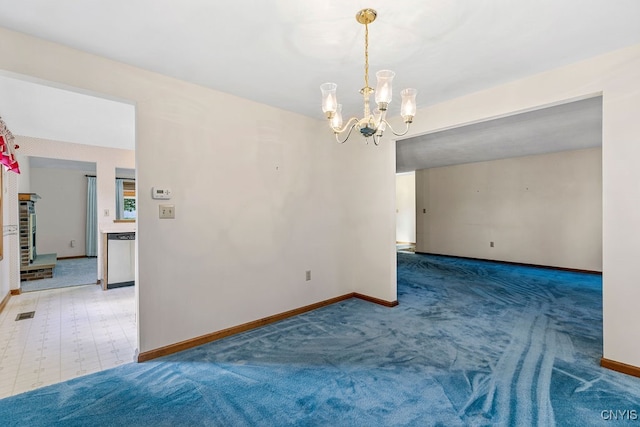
(167, 211)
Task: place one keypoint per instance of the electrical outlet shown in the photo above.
(167, 211)
(106, 212)
(308, 275)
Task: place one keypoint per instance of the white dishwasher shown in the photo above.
(121, 259)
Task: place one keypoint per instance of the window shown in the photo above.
(129, 193)
(125, 199)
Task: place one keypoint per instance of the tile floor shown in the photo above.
(405, 247)
(75, 331)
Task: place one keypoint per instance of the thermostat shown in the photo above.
(160, 193)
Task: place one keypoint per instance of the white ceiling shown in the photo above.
(31, 108)
(571, 126)
(278, 52)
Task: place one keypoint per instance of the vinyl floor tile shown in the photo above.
(75, 331)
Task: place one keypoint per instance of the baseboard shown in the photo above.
(522, 264)
(620, 367)
(204, 339)
(73, 257)
(376, 300)
(120, 285)
(4, 301)
(16, 291)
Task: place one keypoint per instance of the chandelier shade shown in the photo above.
(372, 124)
(336, 120)
(329, 101)
(384, 91)
(408, 108)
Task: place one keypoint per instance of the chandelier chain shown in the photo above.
(366, 57)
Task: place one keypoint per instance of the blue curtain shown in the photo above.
(119, 198)
(91, 239)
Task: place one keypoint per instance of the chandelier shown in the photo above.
(372, 124)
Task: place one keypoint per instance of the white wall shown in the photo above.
(258, 201)
(615, 76)
(365, 183)
(61, 211)
(10, 265)
(24, 178)
(544, 210)
(6, 241)
(406, 207)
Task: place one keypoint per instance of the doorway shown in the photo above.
(406, 212)
(88, 329)
(61, 212)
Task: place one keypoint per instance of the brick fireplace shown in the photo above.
(30, 266)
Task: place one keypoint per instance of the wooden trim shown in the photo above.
(376, 300)
(203, 339)
(620, 367)
(123, 220)
(4, 301)
(522, 264)
(74, 257)
(28, 197)
(16, 291)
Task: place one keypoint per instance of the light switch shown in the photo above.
(167, 211)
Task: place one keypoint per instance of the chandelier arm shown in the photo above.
(396, 133)
(348, 134)
(346, 126)
(376, 139)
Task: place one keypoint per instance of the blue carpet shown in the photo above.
(472, 343)
(68, 272)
